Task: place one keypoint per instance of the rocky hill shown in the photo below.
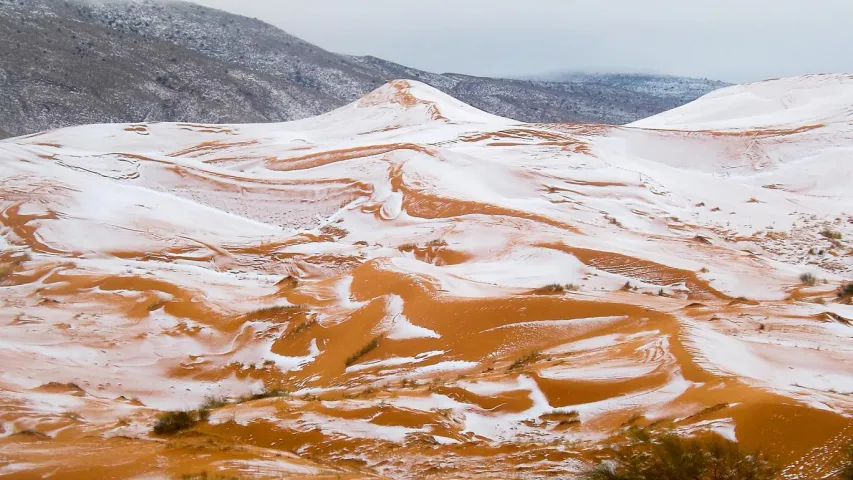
(79, 62)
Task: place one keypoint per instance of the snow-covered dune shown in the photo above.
(787, 103)
(430, 285)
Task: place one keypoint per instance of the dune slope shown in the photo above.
(409, 287)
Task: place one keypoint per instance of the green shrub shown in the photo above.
(674, 458)
(845, 290)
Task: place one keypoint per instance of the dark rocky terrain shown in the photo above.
(68, 62)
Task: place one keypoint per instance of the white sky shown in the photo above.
(733, 40)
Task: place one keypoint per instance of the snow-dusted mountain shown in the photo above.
(410, 287)
(656, 85)
(80, 61)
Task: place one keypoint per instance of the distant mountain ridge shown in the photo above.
(78, 62)
(652, 84)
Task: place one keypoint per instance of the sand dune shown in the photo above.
(412, 288)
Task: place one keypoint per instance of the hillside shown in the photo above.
(410, 287)
(657, 85)
(81, 62)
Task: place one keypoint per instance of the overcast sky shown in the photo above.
(732, 40)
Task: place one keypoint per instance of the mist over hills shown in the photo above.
(78, 62)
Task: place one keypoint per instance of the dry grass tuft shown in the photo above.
(525, 360)
(369, 347)
(675, 458)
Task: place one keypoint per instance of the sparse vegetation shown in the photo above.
(302, 327)
(846, 472)
(203, 414)
(525, 360)
(265, 393)
(845, 291)
(552, 288)
(674, 458)
(275, 310)
(333, 231)
(808, 279)
(173, 422)
(369, 347)
(831, 234)
(205, 476)
(5, 270)
(407, 247)
(211, 402)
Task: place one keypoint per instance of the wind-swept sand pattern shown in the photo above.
(410, 288)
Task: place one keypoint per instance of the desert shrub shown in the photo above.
(171, 422)
(846, 472)
(203, 414)
(845, 290)
(302, 327)
(275, 311)
(206, 476)
(371, 346)
(6, 270)
(265, 393)
(211, 402)
(674, 458)
(529, 358)
(831, 234)
(407, 247)
(808, 279)
(556, 288)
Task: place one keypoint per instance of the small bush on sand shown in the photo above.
(553, 288)
(302, 327)
(205, 476)
(675, 458)
(556, 289)
(525, 360)
(265, 393)
(846, 472)
(203, 414)
(172, 422)
(808, 279)
(371, 346)
(211, 402)
(831, 234)
(6, 270)
(845, 290)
